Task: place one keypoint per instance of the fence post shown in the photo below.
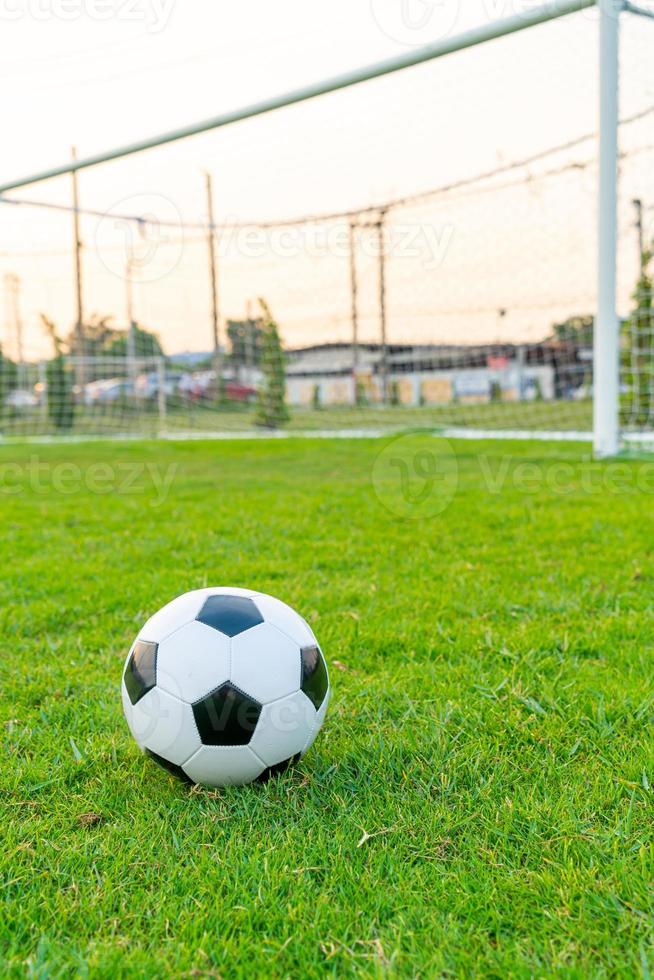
(43, 390)
(161, 393)
(606, 374)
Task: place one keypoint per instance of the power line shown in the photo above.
(316, 219)
(372, 209)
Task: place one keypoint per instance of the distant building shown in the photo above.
(433, 374)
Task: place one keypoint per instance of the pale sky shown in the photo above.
(96, 74)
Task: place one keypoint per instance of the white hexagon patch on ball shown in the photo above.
(225, 687)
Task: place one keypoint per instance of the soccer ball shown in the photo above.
(225, 687)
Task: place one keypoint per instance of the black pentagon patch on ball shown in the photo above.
(314, 675)
(170, 767)
(230, 614)
(227, 716)
(141, 670)
(277, 769)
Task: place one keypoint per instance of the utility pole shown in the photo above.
(249, 341)
(383, 363)
(14, 321)
(638, 205)
(131, 322)
(213, 281)
(80, 346)
(354, 289)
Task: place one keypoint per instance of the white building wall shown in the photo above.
(518, 382)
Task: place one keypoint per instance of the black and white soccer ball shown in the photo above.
(225, 686)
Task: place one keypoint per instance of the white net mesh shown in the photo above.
(426, 243)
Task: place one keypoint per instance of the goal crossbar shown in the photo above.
(429, 52)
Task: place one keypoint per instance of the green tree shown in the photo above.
(59, 379)
(8, 381)
(96, 333)
(246, 339)
(100, 341)
(315, 397)
(146, 344)
(495, 391)
(271, 402)
(637, 353)
(576, 328)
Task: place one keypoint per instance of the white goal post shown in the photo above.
(606, 338)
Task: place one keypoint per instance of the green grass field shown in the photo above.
(480, 799)
(553, 416)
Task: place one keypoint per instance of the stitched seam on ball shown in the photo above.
(235, 687)
(172, 632)
(286, 635)
(258, 757)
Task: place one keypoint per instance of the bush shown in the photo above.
(7, 382)
(637, 400)
(361, 394)
(61, 403)
(59, 379)
(271, 403)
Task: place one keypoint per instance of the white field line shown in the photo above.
(566, 436)
(195, 436)
(379, 433)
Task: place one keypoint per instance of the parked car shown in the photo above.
(195, 386)
(236, 392)
(106, 390)
(147, 385)
(21, 399)
(233, 390)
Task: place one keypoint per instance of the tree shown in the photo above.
(271, 404)
(495, 391)
(637, 352)
(96, 334)
(578, 329)
(59, 379)
(8, 381)
(101, 341)
(246, 339)
(316, 397)
(146, 344)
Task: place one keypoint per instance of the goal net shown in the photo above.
(425, 243)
